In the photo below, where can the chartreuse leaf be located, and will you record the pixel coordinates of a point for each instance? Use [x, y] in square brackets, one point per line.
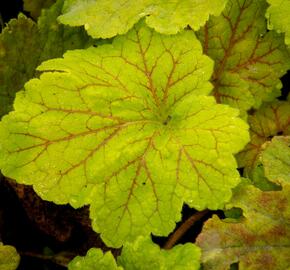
[248, 60]
[34, 7]
[104, 19]
[270, 120]
[261, 240]
[25, 44]
[143, 254]
[132, 120]
[9, 258]
[278, 17]
[276, 160]
[94, 260]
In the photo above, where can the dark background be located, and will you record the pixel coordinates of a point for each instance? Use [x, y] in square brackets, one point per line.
[10, 8]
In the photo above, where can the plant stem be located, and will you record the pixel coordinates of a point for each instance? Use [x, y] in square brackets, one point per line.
[185, 226]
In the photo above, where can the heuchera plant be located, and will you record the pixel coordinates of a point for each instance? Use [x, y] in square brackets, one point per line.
[160, 115]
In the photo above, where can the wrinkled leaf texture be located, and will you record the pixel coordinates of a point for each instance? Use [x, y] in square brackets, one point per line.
[105, 19]
[143, 254]
[259, 240]
[249, 60]
[270, 120]
[130, 126]
[9, 258]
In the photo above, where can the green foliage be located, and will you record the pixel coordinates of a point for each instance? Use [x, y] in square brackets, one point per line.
[23, 40]
[34, 7]
[131, 119]
[94, 260]
[145, 255]
[278, 17]
[248, 60]
[134, 126]
[105, 19]
[14, 69]
[9, 258]
[270, 120]
[261, 240]
[141, 255]
[276, 160]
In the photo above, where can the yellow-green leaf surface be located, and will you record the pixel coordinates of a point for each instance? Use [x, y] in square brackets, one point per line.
[95, 259]
[9, 258]
[34, 7]
[276, 160]
[248, 60]
[142, 254]
[105, 19]
[145, 255]
[25, 44]
[260, 240]
[131, 119]
[278, 17]
[270, 120]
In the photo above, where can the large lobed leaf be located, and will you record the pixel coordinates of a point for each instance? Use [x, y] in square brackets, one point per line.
[128, 125]
[104, 19]
[249, 60]
[25, 44]
[278, 17]
[260, 240]
[270, 120]
[141, 255]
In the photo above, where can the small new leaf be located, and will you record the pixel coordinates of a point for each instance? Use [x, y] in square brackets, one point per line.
[249, 61]
[131, 119]
[9, 258]
[260, 240]
[143, 254]
[278, 17]
[94, 260]
[105, 19]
